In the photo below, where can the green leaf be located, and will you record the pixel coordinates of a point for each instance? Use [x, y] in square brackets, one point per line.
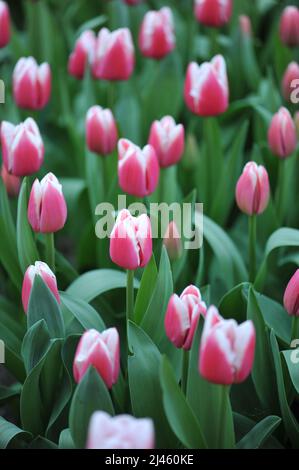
[36, 342]
[146, 289]
[260, 433]
[65, 440]
[92, 24]
[9, 431]
[86, 315]
[275, 317]
[42, 443]
[7, 393]
[292, 359]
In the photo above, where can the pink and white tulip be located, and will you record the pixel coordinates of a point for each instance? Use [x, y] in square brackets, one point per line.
[12, 183]
[82, 55]
[282, 136]
[172, 241]
[168, 140]
[4, 24]
[214, 13]
[31, 84]
[289, 26]
[253, 189]
[291, 295]
[290, 80]
[156, 36]
[245, 25]
[38, 269]
[101, 130]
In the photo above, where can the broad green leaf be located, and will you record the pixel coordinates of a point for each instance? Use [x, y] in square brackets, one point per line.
[9, 432]
[65, 440]
[86, 315]
[260, 433]
[42, 443]
[91, 24]
[7, 393]
[146, 289]
[36, 342]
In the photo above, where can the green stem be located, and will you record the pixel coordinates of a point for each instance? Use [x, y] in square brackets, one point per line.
[252, 243]
[222, 415]
[295, 328]
[112, 94]
[185, 369]
[280, 192]
[130, 295]
[50, 250]
[161, 187]
[214, 41]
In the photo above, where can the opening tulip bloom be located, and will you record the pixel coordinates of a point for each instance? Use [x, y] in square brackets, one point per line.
[182, 317]
[291, 295]
[206, 87]
[12, 183]
[289, 26]
[290, 80]
[138, 169]
[47, 209]
[31, 84]
[131, 241]
[4, 24]
[172, 241]
[168, 140]
[22, 147]
[38, 269]
[119, 432]
[282, 138]
[101, 131]
[226, 351]
[114, 57]
[82, 54]
[213, 12]
[100, 350]
[253, 189]
[156, 36]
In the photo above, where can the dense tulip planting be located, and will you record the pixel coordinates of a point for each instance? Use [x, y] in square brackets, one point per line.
[131, 315]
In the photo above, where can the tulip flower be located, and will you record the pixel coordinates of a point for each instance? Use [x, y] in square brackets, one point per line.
[82, 54]
[168, 140]
[22, 147]
[138, 169]
[132, 2]
[253, 189]
[282, 137]
[119, 432]
[4, 24]
[12, 183]
[100, 350]
[101, 131]
[206, 87]
[38, 269]
[214, 13]
[31, 84]
[290, 80]
[114, 56]
[291, 295]
[289, 26]
[226, 351]
[245, 25]
[172, 241]
[156, 36]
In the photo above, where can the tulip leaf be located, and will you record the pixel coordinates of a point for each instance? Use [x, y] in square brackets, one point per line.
[65, 440]
[259, 433]
[146, 289]
[9, 432]
[291, 357]
[36, 342]
[86, 315]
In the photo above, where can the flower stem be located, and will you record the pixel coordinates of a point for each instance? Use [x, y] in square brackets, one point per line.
[295, 328]
[252, 243]
[222, 415]
[279, 197]
[185, 369]
[130, 295]
[50, 250]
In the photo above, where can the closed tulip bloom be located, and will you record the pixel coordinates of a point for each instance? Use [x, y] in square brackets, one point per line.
[100, 350]
[290, 80]
[132, 2]
[291, 295]
[214, 13]
[114, 55]
[119, 432]
[245, 25]
[38, 269]
[82, 54]
[253, 189]
[101, 131]
[182, 317]
[12, 183]
[138, 169]
[4, 24]
[226, 351]
[131, 241]
[282, 137]
[289, 26]
[31, 84]
[22, 147]
[156, 36]
[47, 209]
[168, 140]
[172, 241]
[206, 87]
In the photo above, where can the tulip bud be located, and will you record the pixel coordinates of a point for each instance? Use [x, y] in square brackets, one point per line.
[289, 26]
[253, 189]
[282, 137]
[38, 269]
[132, 2]
[114, 55]
[214, 13]
[4, 24]
[168, 140]
[182, 317]
[47, 209]
[101, 131]
[206, 87]
[291, 295]
[156, 36]
[172, 241]
[119, 432]
[22, 147]
[12, 183]
[131, 241]
[245, 25]
[290, 80]
[82, 54]
[138, 169]
[100, 350]
[226, 351]
[31, 84]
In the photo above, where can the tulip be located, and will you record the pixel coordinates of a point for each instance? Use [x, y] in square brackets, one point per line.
[214, 13]
[291, 295]
[206, 87]
[289, 26]
[172, 241]
[138, 169]
[101, 131]
[253, 189]
[245, 25]
[38, 269]
[100, 350]
[290, 80]
[47, 209]
[132, 2]
[31, 84]
[4, 24]
[168, 140]
[22, 147]
[156, 36]
[82, 54]
[182, 317]
[226, 351]
[114, 57]
[12, 183]
[119, 432]
[282, 137]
